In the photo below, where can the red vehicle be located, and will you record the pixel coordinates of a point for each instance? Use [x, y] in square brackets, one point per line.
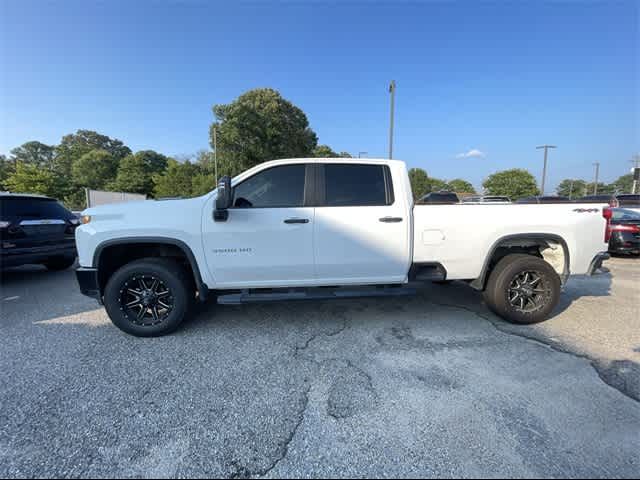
[623, 231]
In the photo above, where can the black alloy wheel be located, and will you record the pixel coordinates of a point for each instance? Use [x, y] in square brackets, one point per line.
[146, 300]
[529, 292]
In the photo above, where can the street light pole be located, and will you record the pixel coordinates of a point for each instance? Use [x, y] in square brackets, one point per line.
[571, 189]
[636, 165]
[595, 184]
[544, 168]
[392, 91]
[215, 151]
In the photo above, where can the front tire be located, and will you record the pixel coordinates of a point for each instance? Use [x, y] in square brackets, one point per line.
[523, 289]
[149, 297]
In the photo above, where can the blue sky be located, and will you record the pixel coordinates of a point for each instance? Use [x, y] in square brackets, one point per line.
[498, 77]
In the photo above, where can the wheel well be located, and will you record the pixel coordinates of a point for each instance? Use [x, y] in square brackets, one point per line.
[112, 257]
[551, 248]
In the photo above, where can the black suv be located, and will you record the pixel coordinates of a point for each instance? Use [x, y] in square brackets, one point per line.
[36, 229]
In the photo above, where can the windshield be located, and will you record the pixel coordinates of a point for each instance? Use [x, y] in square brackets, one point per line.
[623, 215]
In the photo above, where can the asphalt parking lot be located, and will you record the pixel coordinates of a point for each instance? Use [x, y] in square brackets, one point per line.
[432, 385]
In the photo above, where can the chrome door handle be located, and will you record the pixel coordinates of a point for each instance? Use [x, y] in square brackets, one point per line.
[296, 220]
[391, 219]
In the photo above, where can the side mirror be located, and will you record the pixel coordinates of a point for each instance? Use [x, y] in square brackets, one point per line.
[223, 200]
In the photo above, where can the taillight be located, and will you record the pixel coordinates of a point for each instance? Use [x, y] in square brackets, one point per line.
[625, 228]
[607, 213]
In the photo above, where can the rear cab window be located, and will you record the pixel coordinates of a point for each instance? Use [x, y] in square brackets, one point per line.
[357, 185]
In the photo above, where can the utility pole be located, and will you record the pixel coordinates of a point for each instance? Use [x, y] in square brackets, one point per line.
[595, 184]
[544, 169]
[215, 151]
[636, 165]
[392, 91]
[571, 189]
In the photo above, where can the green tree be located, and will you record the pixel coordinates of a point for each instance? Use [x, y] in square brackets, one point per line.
[574, 188]
[624, 184]
[34, 153]
[603, 188]
[75, 145]
[135, 172]
[419, 182]
[95, 169]
[6, 168]
[176, 180]
[202, 183]
[437, 185]
[515, 183]
[323, 151]
[460, 186]
[260, 125]
[28, 178]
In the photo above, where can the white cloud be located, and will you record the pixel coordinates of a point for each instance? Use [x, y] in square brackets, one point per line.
[473, 153]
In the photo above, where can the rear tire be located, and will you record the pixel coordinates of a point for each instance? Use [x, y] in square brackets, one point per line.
[59, 263]
[523, 289]
[149, 297]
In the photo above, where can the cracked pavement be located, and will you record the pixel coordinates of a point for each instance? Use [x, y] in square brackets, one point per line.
[432, 385]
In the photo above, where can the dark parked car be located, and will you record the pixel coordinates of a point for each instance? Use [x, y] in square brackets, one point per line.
[482, 199]
[622, 200]
[36, 229]
[628, 200]
[544, 199]
[440, 197]
[623, 231]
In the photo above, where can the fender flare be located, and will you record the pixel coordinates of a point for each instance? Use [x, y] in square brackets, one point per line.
[480, 282]
[202, 287]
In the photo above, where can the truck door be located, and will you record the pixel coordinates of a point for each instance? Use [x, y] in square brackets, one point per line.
[361, 230]
[267, 240]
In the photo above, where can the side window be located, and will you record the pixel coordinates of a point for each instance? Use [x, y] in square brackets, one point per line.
[357, 185]
[277, 187]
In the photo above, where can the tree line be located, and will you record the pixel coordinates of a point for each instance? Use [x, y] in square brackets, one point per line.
[515, 183]
[259, 125]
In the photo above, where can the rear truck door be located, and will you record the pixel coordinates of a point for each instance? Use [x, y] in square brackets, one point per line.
[267, 239]
[362, 224]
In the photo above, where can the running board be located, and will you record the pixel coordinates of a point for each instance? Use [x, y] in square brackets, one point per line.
[318, 293]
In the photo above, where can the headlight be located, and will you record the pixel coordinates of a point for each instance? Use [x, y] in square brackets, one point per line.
[85, 219]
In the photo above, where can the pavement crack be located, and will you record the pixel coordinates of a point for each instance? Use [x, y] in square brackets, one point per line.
[603, 372]
[284, 448]
[341, 328]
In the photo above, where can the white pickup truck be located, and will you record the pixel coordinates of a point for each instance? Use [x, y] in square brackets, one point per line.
[327, 228]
